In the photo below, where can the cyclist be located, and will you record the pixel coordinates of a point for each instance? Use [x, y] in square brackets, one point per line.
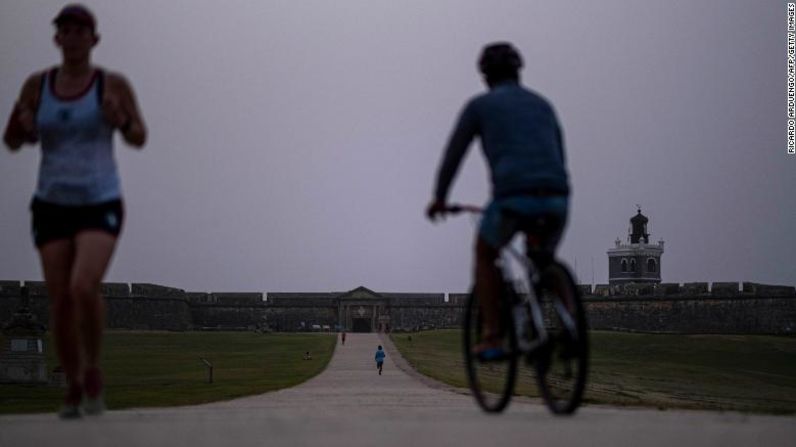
[77, 211]
[522, 141]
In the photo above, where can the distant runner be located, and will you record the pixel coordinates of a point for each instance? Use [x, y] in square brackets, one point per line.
[380, 358]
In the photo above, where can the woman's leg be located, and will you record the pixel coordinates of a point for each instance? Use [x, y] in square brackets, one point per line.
[57, 258]
[93, 252]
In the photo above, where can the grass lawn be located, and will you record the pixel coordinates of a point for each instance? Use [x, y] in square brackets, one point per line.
[715, 372]
[153, 369]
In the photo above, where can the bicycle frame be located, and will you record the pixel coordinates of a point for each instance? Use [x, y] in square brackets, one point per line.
[529, 298]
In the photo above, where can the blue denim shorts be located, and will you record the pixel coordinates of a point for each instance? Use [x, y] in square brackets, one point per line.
[503, 218]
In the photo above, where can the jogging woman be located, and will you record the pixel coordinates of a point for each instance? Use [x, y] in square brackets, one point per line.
[74, 109]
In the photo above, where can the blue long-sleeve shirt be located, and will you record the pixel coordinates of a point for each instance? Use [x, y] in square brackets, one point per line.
[521, 139]
[380, 355]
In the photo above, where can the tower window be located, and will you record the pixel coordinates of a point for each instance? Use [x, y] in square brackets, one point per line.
[632, 265]
[624, 265]
[652, 266]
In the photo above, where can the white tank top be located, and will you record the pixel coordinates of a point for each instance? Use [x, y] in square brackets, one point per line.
[77, 164]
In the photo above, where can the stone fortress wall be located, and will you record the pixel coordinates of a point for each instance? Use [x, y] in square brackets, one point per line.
[731, 308]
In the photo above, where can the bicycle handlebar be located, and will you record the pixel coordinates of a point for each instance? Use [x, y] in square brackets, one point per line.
[457, 208]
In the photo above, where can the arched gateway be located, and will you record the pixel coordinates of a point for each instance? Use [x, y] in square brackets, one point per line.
[363, 310]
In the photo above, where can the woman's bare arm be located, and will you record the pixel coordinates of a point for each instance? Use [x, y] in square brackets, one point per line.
[122, 110]
[21, 125]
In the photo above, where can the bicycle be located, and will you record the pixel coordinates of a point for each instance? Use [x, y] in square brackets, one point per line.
[542, 321]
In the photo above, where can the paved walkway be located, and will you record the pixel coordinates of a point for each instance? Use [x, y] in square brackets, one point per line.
[350, 405]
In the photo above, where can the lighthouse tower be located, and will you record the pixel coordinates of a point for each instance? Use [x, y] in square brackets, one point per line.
[636, 261]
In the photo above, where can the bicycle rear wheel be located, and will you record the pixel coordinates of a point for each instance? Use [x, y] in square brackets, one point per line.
[562, 364]
[491, 381]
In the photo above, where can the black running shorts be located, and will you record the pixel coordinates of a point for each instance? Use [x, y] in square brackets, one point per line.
[53, 222]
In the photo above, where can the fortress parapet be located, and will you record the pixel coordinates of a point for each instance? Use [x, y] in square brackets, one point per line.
[694, 307]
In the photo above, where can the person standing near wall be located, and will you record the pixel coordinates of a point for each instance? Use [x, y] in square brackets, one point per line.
[74, 109]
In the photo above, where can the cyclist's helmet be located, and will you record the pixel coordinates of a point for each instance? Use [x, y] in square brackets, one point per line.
[500, 57]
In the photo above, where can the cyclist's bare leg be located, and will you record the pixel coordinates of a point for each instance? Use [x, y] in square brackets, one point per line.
[57, 258]
[487, 288]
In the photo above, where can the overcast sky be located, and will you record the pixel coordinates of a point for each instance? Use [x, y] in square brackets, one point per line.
[293, 144]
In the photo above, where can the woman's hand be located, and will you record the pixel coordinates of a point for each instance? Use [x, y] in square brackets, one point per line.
[21, 127]
[27, 122]
[113, 112]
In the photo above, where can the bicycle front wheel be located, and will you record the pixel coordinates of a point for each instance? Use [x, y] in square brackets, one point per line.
[562, 365]
[491, 381]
